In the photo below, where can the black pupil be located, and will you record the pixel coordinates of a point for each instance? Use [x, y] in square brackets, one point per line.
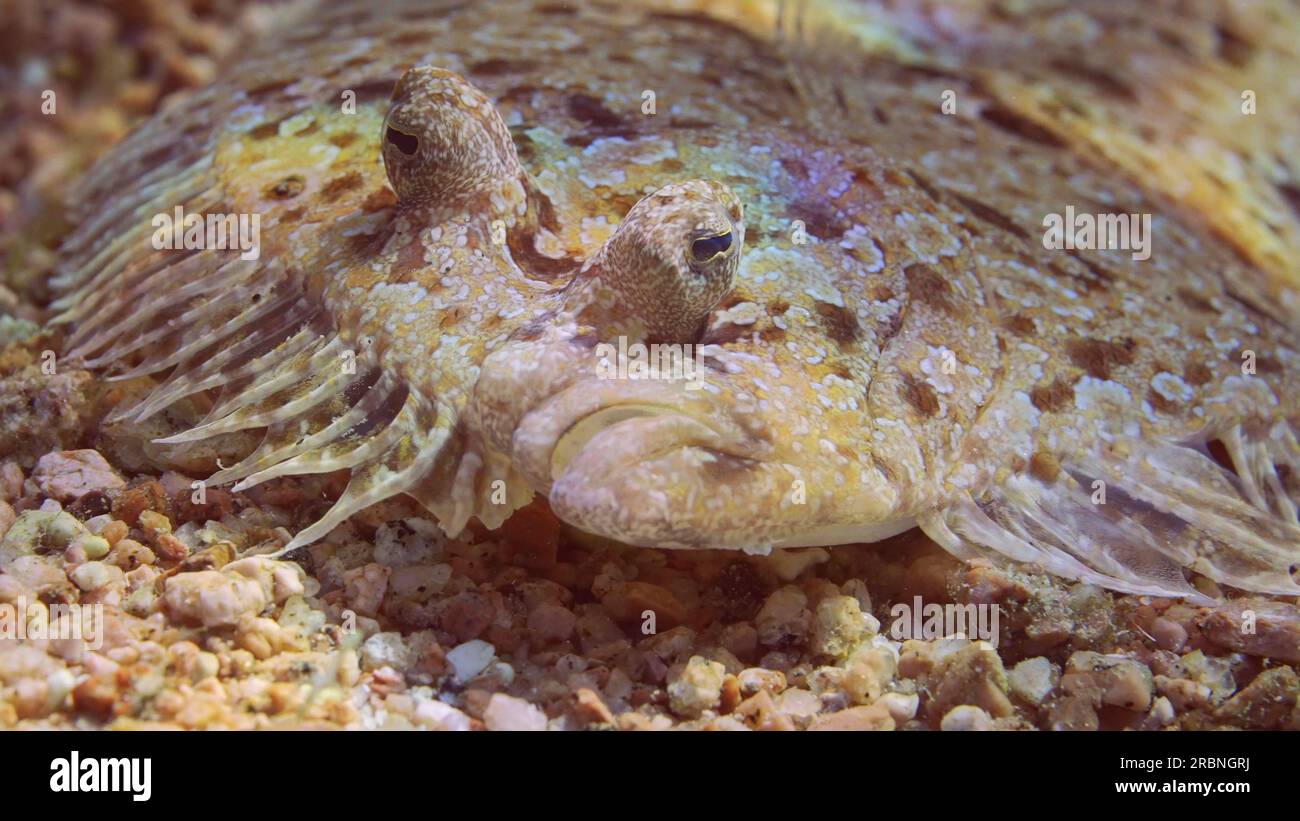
[707, 248]
[405, 143]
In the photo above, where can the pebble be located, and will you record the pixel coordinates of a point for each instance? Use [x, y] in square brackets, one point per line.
[839, 626]
[901, 706]
[1269, 702]
[385, 649]
[436, 715]
[469, 659]
[67, 475]
[696, 687]
[1123, 682]
[1033, 679]
[968, 675]
[754, 679]
[868, 673]
[784, 618]
[505, 712]
[552, 622]
[7, 517]
[96, 576]
[966, 718]
[365, 587]
[213, 598]
[869, 717]
[1257, 627]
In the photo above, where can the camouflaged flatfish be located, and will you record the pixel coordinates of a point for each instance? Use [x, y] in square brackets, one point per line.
[466, 207]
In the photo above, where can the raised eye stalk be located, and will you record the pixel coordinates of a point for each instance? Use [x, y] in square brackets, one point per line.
[674, 257]
[443, 140]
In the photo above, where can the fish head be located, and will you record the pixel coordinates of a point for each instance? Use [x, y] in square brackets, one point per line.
[772, 399]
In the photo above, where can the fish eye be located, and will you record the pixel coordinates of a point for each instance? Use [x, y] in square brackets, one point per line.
[408, 144]
[706, 248]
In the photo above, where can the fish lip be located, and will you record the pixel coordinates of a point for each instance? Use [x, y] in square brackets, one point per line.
[629, 463]
[548, 439]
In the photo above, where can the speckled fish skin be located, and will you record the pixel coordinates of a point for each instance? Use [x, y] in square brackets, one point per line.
[920, 359]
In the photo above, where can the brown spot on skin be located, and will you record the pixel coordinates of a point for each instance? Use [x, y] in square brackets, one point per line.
[839, 322]
[820, 220]
[378, 89]
[771, 335]
[1161, 404]
[451, 316]
[265, 131]
[1267, 364]
[926, 285]
[343, 140]
[919, 395]
[287, 188]
[1097, 357]
[725, 334]
[1045, 467]
[887, 329]
[348, 182]
[1054, 397]
[1020, 325]
[1014, 123]
[378, 200]
[990, 215]
[271, 88]
[592, 111]
[880, 293]
[1097, 77]
[1195, 301]
[293, 215]
[707, 26]
[777, 307]
[496, 66]
[1197, 373]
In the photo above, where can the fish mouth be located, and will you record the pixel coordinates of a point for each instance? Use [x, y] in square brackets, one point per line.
[645, 466]
[640, 468]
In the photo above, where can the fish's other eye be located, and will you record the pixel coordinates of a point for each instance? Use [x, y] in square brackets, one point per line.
[408, 144]
[707, 248]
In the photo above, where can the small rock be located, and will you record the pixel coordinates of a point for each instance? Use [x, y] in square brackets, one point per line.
[971, 675]
[365, 587]
[213, 598]
[966, 718]
[868, 673]
[1033, 679]
[1258, 627]
[902, 706]
[696, 687]
[870, 717]
[552, 622]
[1123, 682]
[753, 679]
[385, 650]
[96, 576]
[839, 626]
[784, 618]
[1266, 703]
[505, 712]
[66, 475]
[469, 659]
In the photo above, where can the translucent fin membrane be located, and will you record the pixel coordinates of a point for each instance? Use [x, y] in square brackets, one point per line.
[411, 455]
[257, 353]
[286, 440]
[1133, 518]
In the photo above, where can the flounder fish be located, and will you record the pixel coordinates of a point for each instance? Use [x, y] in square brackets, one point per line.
[484, 225]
